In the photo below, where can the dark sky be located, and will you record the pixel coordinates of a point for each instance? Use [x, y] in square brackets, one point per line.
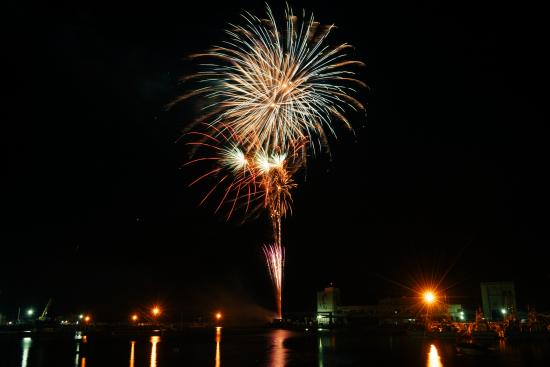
[447, 172]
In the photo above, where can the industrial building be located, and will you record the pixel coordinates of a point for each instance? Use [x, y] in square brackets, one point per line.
[498, 300]
[394, 311]
[328, 304]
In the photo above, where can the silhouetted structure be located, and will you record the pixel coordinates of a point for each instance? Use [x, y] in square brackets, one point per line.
[498, 300]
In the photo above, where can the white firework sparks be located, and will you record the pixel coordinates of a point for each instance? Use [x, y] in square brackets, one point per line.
[272, 87]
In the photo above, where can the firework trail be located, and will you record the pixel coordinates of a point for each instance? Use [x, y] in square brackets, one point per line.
[272, 93]
[275, 259]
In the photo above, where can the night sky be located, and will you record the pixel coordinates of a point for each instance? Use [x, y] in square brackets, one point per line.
[446, 174]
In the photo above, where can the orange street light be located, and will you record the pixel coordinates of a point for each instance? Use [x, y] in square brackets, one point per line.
[87, 318]
[134, 317]
[155, 311]
[429, 297]
[218, 316]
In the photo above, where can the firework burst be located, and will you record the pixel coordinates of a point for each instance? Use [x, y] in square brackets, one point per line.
[253, 180]
[272, 85]
[272, 93]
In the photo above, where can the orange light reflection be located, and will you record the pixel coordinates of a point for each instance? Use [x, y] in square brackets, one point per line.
[218, 340]
[433, 357]
[132, 350]
[278, 351]
[154, 341]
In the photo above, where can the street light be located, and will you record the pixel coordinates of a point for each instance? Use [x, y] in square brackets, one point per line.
[218, 316]
[134, 317]
[30, 312]
[155, 311]
[429, 297]
[87, 318]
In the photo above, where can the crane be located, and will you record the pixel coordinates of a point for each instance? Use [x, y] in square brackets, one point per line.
[45, 312]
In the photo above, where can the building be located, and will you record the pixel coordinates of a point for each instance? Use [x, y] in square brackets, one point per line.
[388, 311]
[498, 300]
[328, 302]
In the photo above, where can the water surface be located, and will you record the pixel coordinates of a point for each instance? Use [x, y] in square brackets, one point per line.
[276, 348]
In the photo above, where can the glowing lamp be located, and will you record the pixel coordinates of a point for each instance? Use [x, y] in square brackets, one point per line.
[429, 297]
[155, 311]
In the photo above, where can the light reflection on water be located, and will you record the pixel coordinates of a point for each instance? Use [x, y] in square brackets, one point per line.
[433, 357]
[26, 347]
[154, 340]
[325, 342]
[278, 356]
[321, 357]
[79, 361]
[218, 340]
[132, 350]
[77, 356]
[275, 348]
